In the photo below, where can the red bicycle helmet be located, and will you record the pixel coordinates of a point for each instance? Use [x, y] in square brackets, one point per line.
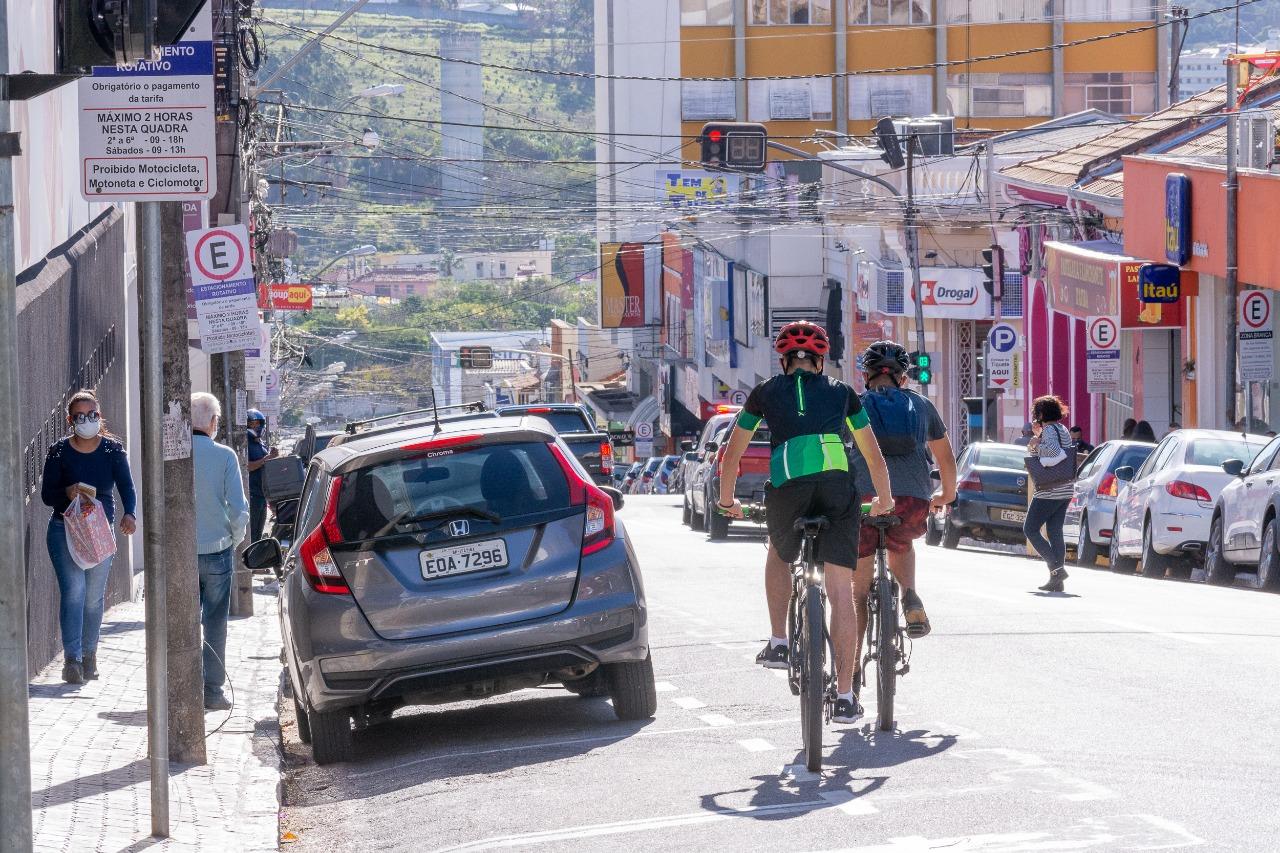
[802, 336]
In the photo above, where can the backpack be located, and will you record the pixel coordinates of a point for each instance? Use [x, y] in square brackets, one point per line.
[895, 420]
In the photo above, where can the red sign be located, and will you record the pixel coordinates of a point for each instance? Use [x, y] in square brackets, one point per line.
[1086, 283]
[1136, 314]
[285, 297]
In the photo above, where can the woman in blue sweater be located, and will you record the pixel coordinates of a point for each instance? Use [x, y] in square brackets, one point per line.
[95, 459]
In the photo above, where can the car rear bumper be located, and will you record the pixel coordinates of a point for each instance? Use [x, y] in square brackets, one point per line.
[339, 662]
[1180, 532]
[976, 516]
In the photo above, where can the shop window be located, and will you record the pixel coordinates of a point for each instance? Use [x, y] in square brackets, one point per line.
[1109, 10]
[1001, 94]
[776, 12]
[1115, 92]
[904, 12]
[996, 11]
[706, 13]
[897, 95]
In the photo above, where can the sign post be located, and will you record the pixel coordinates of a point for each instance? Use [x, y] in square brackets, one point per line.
[1103, 354]
[1002, 341]
[225, 294]
[1254, 328]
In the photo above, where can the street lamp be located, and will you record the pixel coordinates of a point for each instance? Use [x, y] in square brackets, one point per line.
[357, 252]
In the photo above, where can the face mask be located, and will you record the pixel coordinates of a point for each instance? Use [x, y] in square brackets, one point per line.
[88, 429]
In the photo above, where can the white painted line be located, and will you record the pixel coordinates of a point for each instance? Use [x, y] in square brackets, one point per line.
[689, 703]
[846, 802]
[755, 744]
[716, 720]
[1146, 629]
[665, 687]
[799, 773]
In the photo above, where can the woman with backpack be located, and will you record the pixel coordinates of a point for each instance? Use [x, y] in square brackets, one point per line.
[1052, 468]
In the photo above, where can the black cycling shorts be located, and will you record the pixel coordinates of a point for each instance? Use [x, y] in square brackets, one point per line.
[830, 494]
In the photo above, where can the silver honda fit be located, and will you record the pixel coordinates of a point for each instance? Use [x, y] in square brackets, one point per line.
[455, 562]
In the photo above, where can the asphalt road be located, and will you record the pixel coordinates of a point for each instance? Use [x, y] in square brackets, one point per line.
[1128, 714]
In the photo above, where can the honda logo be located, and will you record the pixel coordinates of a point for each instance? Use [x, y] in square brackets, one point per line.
[461, 527]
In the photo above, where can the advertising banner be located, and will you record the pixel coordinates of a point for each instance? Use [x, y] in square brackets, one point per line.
[950, 293]
[286, 297]
[716, 306]
[1085, 282]
[622, 285]
[686, 188]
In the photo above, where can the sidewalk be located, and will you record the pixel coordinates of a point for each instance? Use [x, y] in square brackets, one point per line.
[90, 788]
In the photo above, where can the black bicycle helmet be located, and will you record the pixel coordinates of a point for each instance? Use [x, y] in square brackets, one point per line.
[884, 357]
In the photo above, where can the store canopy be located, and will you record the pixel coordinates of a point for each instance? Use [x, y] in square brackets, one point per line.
[645, 412]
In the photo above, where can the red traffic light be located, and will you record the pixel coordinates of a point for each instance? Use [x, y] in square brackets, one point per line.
[715, 135]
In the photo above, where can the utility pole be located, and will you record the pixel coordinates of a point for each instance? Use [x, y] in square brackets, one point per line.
[15, 738]
[1177, 38]
[1233, 282]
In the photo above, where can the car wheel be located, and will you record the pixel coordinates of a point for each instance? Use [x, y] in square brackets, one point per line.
[304, 724]
[1216, 568]
[950, 535]
[717, 525]
[932, 535]
[1119, 562]
[1086, 550]
[1268, 561]
[331, 738]
[1154, 564]
[686, 517]
[632, 690]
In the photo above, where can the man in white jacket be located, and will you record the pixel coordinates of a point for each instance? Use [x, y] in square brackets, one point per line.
[222, 516]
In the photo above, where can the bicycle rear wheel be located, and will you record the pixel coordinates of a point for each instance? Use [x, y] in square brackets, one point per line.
[886, 653]
[813, 676]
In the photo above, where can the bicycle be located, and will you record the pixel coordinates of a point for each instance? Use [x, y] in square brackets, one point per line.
[812, 659]
[884, 635]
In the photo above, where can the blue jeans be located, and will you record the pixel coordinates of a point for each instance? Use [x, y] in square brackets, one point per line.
[1049, 514]
[215, 606]
[82, 593]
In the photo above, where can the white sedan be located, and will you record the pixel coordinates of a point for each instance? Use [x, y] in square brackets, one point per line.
[1164, 508]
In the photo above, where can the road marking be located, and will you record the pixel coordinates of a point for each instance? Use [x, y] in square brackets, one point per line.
[718, 720]
[846, 802]
[1146, 629]
[689, 703]
[756, 744]
[799, 773]
[664, 687]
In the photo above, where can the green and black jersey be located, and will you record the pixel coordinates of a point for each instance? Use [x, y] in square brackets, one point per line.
[809, 417]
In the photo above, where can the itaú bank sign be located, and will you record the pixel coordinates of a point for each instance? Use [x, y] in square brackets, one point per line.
[949, 293]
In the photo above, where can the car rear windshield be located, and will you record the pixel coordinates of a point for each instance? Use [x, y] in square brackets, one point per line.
[507, 480]
[1215, 451]
[670, 463]
[561, 420]
[1002, 457]
[652, 464]
[1131, 456]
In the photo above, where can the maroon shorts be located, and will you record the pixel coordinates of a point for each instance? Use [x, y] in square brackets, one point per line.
[914, 512]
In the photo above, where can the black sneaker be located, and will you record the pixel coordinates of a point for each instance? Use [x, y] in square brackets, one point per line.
[913, 613]
[847, 711]
[773, 657]
[217, 703]
[90, 667]
[1056, 577]
[73, 672]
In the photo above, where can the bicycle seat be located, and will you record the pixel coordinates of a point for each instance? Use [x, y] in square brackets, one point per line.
[881, 522]
[811, 524]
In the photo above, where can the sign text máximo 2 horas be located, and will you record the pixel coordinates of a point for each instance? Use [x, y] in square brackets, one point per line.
[147, 130]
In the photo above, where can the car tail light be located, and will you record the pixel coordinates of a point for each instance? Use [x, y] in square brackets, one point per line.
[1187, 491]
[971, 483]
[1108, 487]
[597, 531]
[539, 410]
[317, 561]
[441, 443]
[606, 458]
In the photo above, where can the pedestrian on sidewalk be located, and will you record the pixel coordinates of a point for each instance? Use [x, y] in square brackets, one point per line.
[222, 516]
[1051, 445]
[259, 455]
[92, 462]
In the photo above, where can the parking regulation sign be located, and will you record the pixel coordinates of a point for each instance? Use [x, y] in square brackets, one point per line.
[147, 129]
[225, 293]
[1002, 341]
[1102, 352]
[1254, 325]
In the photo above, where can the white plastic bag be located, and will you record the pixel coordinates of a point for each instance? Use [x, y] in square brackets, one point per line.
[90, 538]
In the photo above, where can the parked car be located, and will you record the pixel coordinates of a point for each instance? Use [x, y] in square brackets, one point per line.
[576, 425]
[1165, 506]
[694, 461]
[991, 497]
[453, 562]
[643, 485]
[1244, 533]
[666, 470]
[1092, 511]
[753, 474]
[630, 477]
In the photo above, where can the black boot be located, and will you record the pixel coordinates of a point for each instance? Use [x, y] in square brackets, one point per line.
[1056, 577]
[72, 672]
[90, 667]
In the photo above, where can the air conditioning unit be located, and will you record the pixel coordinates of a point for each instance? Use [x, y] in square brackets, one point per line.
[1255, 139]
[935, 135]
[946, 138]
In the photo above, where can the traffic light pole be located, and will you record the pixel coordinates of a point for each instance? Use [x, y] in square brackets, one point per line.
[913, 242]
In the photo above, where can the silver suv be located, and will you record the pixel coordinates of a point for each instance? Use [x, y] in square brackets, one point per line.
[453, 562]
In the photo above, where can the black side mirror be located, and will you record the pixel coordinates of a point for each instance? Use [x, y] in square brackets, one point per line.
[711, 446]
[1234, 467]
[615, 495]
[1124, 473]
[686, 446]
[935, 474]
[263, 554]
[690, 457]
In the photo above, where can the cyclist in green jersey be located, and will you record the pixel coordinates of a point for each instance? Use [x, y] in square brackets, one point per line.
[809, 417]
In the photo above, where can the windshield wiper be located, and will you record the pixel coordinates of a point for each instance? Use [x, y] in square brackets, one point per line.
[439, 515]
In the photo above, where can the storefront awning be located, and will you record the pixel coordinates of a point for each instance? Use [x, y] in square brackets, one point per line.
[1096, 278]
[645, 412]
